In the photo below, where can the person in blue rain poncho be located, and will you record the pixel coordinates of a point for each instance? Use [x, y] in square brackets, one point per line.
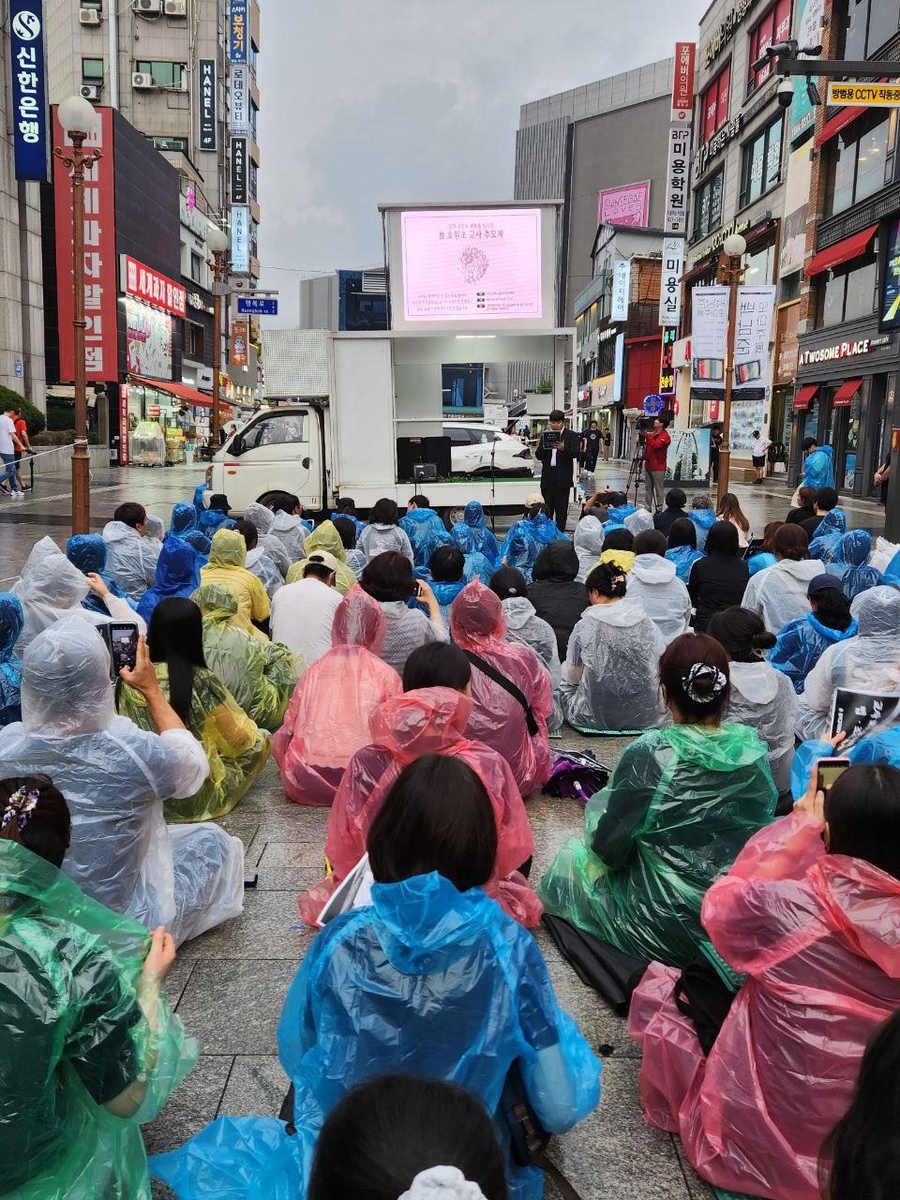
[849, 558]
[704, 517]
[446, 573]
[766, 557]
[177, 574]
[88, 552]
[527, 538]
[425, 530]
[477, 564]
[818, 466]
[12, 620]
[347, 508]
[618, 510]
[803, 641]
[185, 524]
[473, 518]
[212, 510]
[682, 551]
[429, 978]
[828, 533]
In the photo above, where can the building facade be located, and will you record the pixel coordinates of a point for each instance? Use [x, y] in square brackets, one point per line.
[345, 301]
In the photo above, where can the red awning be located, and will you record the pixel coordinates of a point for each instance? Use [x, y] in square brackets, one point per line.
[181, 390]
[832, 128]
[805, 396]
[841, 252]
[845, 393]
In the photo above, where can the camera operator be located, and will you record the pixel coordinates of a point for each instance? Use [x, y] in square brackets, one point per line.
[655, 443]
[558, 453]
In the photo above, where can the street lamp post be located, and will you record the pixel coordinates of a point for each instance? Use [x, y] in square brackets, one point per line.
[77, 117]
[217, 240]
[731, 272]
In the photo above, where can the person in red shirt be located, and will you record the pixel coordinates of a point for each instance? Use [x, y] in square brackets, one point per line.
[656, 447]
[22, 435]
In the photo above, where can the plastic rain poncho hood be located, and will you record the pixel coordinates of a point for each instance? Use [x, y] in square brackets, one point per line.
[88, 552]
[474, 519]
[260, 565]
[177, 574]
[228, 566]
[818, 468]
[526, 539]
[407, 727]
[74, 1038]
[425, 531]
[704, 519]
[131, 559]
[477, 564]
[260, 675]
[525, 626]
[325, 538]
[849, 559]
[828, 533]
[263, 519]
[429, 981]
[819, 936]
[610, 677]
[778, 594]
[802, 643]
[764, 699]
[653, 582]
[12, 620]
[48, 588]
[684, 558]
[291, 531]
[640, 521]
[186, 526]
[681, 803]
[588, 543]
[616, 517]
[478, 626]
[115, 778]
[329, 713]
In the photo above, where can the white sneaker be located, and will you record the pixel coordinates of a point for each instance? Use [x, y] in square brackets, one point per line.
[18, 495]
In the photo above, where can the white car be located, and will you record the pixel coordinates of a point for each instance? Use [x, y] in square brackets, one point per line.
[481, 450]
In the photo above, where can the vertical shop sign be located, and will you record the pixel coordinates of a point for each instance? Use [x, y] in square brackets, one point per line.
[239, 170]
[683, 83]
[240, 239]
[620, 289]
[208, 117]
[30, 125]
[239, 116]
[666, 363]
[670, 283]
[677, 177]
[238, 41]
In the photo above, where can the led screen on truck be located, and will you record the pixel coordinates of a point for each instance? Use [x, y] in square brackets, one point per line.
[472, 264]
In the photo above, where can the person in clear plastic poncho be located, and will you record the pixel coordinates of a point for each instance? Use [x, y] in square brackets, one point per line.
[426, 531]
[88, 552]
[679, 806]
[427, 720]
[328, 717]
[431, 979]
[90, 1049]
[260, 675]
[526, 538]
[525, 626]
[609, 678]
[498, 719]
[869, 662]
[588, 542]
[779, 593]
[849, 558]
[12, 619]
[185, 525]
[485, 542]
[115, 777]
[327, 538]
[263, 519]
[177, 574]
[810, 913]
[235, 746]
[227, 566]
[131, 556]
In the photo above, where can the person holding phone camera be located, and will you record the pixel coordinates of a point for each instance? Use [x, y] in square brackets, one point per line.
[558, 453]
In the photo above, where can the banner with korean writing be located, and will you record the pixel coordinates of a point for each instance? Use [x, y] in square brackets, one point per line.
[677, 177]
[30, 125]
[101, 339]
[208, 106]
[620, 290]
[670, 282]
[683, 82]
[239, 114]
[667, 363]
[752, 335]
[142, 282]
[238, 31]
[239, 190]
[240, 334]
[709, 338]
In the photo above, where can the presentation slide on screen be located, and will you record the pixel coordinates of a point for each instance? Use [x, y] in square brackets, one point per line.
[472, 264]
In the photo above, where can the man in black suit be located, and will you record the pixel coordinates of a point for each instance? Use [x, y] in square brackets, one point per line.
[558, 457]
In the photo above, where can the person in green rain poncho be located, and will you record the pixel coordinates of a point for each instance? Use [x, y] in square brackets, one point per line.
[260, 675]
[679, 807]
[90, 1049]
[236, 747]
[325, 537]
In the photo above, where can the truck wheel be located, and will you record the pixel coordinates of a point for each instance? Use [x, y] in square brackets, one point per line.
[267, 498]
[453, 516]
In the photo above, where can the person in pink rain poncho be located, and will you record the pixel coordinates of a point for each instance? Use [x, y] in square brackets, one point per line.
[499, 718]
[327, 720]
[429, 720]
[810, 912]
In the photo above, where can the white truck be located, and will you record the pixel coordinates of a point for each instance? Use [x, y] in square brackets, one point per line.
[346, 410]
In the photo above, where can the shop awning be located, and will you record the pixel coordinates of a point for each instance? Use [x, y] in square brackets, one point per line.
[805, 397]
[180, 390]
[832, 128]
[841, 252]
[845, 393]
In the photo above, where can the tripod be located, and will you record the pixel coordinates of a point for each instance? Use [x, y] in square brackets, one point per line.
[636, 472]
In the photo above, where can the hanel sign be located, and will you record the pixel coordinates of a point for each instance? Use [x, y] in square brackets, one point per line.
[144, 283]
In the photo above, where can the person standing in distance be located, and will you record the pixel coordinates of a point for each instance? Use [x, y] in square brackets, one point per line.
[590, 447]
[656, 448]
[758, 449]
[558, 457]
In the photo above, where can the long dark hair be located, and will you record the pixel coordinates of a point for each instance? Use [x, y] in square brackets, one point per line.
[175, 637]
[862, 810]
[832, 608]
[742, 633]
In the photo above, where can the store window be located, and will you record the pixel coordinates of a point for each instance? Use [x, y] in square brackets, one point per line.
[92, 70]
[761, 161]
[254, 117]
[870, 23]
[196, 267]
[163, 74]
[860, 161]
[708, 204]
[254, 180]
[848, 293]
[175, 145]
[193, 340]
[759, 266]
[774, 27]
[714, 103]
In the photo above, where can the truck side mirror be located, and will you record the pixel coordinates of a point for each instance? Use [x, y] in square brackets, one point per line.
[237, 445]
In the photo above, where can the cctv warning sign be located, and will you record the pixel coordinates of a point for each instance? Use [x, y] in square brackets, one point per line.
[871, 95]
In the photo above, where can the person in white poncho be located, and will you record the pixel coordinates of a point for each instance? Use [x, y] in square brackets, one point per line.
[778, 593]
[653, 581]
[525, 626]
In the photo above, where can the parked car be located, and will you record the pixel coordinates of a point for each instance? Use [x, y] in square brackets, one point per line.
[477, 449]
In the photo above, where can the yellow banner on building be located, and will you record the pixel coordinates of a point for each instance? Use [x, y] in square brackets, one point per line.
[871, 95]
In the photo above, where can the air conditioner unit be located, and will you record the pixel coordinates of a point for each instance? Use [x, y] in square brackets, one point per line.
[176, 8]
[89, 16]
[90, 91]
[148, 7]
[140, 81]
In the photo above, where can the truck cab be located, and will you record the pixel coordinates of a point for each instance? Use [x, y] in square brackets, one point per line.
[278, 450]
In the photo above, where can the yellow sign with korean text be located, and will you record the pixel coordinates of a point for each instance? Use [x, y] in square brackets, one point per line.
[871, 95]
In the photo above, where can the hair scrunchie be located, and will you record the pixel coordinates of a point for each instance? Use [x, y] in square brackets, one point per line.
[442, 1183]
[20, 806]
[702, 671]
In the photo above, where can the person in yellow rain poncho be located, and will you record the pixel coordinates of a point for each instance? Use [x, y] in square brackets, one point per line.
[236, 747]
[90, 1049]
[260, 675]
[326, 537]
[228, 566]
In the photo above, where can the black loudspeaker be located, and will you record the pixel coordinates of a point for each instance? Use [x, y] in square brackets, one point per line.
[419, 451]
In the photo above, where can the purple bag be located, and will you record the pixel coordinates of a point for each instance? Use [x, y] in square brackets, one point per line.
[576, 775]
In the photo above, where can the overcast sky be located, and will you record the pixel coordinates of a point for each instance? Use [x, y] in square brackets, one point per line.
[357, 108]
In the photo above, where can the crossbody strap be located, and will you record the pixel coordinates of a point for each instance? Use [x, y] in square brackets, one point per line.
[508, 686]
